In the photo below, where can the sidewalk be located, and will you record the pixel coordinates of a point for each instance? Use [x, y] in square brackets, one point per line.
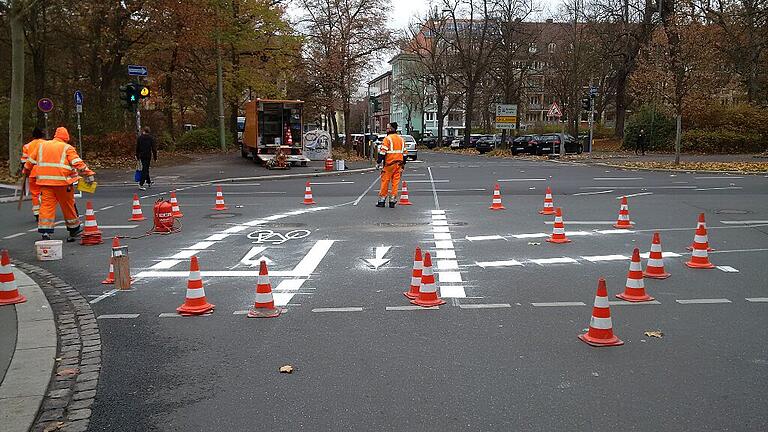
[27, 353]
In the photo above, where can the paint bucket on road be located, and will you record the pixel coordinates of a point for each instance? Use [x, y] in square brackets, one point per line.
[48, 250]
[340, 165]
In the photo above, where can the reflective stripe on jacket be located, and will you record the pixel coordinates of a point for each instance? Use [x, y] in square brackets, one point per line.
[56, 163]
[393, 149]
[25, 154]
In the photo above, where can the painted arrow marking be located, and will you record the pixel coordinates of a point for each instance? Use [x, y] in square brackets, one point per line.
[249, 260]
[379, 260]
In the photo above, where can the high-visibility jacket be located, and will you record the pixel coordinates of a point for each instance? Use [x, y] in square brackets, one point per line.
[56, 162]
[25, 154]
[393, 149]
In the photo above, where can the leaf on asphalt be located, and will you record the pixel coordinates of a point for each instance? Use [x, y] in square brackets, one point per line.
[654, 333]
[286, 369]
[68, 372]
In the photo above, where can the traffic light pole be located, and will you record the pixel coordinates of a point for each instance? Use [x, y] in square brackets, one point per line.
[138, 108]
[591, 123]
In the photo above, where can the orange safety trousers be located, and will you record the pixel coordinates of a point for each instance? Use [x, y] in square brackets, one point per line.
[390, 175]
[34, 190]
[65, 197]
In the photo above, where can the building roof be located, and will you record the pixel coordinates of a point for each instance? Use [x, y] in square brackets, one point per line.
[380, 77]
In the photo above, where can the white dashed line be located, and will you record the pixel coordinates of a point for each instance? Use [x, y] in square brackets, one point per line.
[106, 208]
[616, 178]
[109, 293]
[593, 193]
[485, 305]
[626, 303]
[720, 188]
[727, 269]
[482, 238]
[13, 236]
[598, 258]
[165, 264]
[506, 263]
[634, 195]
[452, 291]
[557, 304]
[757, 299]
[520, 180]
[704, 301]
[338, 309]
[118, 316]
[185, 254]
[410, 308]
[560, 260]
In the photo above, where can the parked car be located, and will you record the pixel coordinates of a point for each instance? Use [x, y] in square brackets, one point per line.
[458, 141]
[487, 143]
[410, 145]
[429, 141]
[524, 144]
[550, 143]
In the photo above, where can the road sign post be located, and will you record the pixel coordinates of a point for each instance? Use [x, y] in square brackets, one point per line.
[506, 116]
[555, 112]
[79, 110]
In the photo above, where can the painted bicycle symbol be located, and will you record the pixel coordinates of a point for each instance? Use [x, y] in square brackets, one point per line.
[276, 238]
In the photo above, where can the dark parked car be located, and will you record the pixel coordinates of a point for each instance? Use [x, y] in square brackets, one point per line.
[487, 143]
[429, 141]
[550, 143]
[524, 144]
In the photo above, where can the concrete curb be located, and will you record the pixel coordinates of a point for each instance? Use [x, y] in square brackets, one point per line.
[26, 382]
[292, 176]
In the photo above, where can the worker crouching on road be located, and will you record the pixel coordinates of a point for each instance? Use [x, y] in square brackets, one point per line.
[56, 165]
[391, 162]
[34, 189]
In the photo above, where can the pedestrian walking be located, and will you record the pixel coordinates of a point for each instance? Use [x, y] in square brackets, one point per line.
[146, 150]
[58, 167]
[640, 142]
[34, 189]
[391, 161]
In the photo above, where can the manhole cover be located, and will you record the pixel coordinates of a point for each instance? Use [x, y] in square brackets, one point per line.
[731, 211]
[222, 215]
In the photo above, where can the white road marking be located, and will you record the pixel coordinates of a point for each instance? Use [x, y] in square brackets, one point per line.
[568, 222]
[615, 231]
[434, 191]
[527, 236]
[217, 237]
[170, 315]
[521, 179]
[118, 316]
[757, 299]
[720, 188]
[185, 254]
[556, 304]
[597, 258]
[249, 260]
[626, 303]
[414, 175]
[202, 245]
[634, 195]
[727, 269]
[378, 259]
[640, 187]
[560, 260]
[282, 299]
[109, 293]
[410, 308]
[310, 262]
[429, 181]
[290, 285]
[165, 264]
[440, 229]
[445, 254]
[338, 309]
[449, 277]
[438, 212]
[447, 265]
[593, 193]
[13, 236]
[704, 301]
[450, 190]
[439, 223]
[646, 255]
[484, 305]
[439, 217]
[506, 263]
[235, 229]
[616, 178]
[452, 291]
[746, 222]
[444, 244]
[442, 236]
[357, 201]
[483, 238]
[718, 177]
[106, 208]
[738, 250]
[332, 183]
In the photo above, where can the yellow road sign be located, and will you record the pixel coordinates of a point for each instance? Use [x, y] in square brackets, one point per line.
[506, 119]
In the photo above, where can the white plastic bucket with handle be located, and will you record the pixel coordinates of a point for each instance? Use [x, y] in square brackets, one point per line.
[48, 250]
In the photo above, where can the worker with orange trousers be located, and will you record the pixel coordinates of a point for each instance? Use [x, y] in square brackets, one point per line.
[391, 162]
[34, 189]
[57, 165]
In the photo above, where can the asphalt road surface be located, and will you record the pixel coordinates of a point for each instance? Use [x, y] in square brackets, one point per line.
[502, 353]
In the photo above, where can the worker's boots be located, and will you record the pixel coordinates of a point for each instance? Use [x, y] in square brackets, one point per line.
[392, 201]
[46, 236]
[74, 233]
[381, 203]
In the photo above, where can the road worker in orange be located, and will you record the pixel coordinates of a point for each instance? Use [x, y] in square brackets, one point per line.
[34, 189]
[57, 165]
[391, 162]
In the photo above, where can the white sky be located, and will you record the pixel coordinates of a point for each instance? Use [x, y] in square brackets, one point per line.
[404, 10]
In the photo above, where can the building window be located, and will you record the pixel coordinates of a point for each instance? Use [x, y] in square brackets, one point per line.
[430, 116]
[552, 47]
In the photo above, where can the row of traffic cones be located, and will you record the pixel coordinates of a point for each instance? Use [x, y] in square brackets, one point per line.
[423, 290]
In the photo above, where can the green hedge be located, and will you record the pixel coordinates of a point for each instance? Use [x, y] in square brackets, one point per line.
[659, 129]
[723, 141]
[201, 139]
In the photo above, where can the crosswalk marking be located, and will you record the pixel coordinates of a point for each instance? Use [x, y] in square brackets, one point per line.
[560, 260]
[506, 263]
[452, 291]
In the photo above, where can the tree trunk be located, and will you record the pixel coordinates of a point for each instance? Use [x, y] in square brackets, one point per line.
[440, 120]
[621, 105]
[16, 106]
[678, 136]
[347, 130]
[469, 105]
[334, 128]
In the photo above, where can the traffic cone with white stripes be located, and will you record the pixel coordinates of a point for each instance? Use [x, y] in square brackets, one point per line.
[428, 296]
[219, 200]
[549, 206]
[496, 203]
[623, 221]
[700, 254]
[110, 280]
[600, 331]
[404, 199]
[136, 214]
[654, 269]
[308, 199]
[558, 229]
[91, 233]
[264, 306]
[195, 302]
[9, 292]
[418, 266]
[634, 290]
[175, 206]
[703, 223]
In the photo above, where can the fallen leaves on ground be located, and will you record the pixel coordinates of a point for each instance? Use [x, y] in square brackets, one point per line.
[5, 175]
[466, 151]
[348, 156]
[654, 333]
[286, 369]
[702, 166]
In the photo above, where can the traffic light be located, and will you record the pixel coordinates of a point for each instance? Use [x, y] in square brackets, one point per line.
[586, 104]
[129, 96]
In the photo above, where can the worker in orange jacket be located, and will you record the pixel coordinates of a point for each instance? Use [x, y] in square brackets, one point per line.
[391, 162]
[34, 189]
[57, 165]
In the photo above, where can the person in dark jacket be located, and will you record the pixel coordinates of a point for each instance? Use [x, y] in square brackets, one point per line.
[146, 150]
[640, 143]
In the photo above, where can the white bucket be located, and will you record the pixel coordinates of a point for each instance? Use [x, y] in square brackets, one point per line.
[48, 250]
[340, 165]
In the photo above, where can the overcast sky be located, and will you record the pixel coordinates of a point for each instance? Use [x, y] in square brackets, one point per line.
[404, 10]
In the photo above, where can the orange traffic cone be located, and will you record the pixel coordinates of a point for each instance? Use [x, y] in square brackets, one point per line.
[136, 214]
[623, 222]
[634, 290]
[91, 234]
[703, 223]
[418, 266]
[428, 296]
[558, 229]
[111, 275]
[175, 206]
[264, 306]
[496, 203]
[404, 200]
[219, 200]
[549, 207]
[195, 302]
[9, 293]
[308, 200]
[600, 326]
[700, 254]
[654, 269]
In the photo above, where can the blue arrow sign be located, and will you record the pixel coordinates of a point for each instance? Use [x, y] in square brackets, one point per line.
[136, 70]
[78, 97]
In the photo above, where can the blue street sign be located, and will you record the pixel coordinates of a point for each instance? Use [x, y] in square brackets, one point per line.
[136, 70]
[78, 97]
